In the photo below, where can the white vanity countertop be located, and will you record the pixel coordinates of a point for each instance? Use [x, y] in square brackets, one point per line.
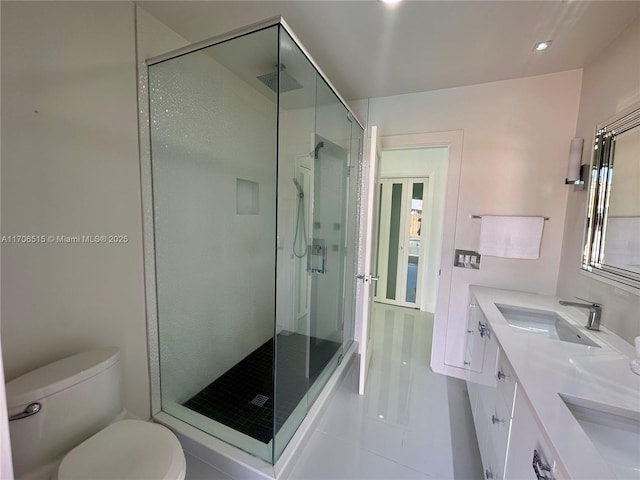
[546, 368]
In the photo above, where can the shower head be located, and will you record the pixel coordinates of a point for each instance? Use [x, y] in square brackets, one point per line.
[298, 187]
[314, 152]
[287, 82]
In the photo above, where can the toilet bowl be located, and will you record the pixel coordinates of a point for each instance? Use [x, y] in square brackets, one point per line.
[67, 422]
[127, 449]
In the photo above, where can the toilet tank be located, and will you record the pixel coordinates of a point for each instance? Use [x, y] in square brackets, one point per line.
[78, 396]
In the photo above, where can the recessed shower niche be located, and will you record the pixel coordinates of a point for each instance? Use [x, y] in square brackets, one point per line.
[254, 175]
[246, 197]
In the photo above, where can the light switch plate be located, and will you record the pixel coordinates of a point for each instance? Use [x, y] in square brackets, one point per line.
[466, 259]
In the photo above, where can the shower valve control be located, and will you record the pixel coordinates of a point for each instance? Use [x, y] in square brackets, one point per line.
[317, 260]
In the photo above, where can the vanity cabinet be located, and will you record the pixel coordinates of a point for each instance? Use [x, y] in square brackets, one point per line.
[508, 436]
[525, 419]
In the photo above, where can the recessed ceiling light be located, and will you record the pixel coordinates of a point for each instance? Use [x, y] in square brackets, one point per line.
[390, 2]
[538, 47]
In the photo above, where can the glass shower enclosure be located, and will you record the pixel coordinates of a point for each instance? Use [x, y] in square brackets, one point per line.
[255, 172]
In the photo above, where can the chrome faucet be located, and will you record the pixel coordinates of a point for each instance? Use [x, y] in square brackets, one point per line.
[595, 312]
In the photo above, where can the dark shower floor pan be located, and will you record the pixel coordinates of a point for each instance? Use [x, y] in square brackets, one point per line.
[242, 397]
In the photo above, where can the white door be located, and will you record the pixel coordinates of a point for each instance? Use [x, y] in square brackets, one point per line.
[368, 276]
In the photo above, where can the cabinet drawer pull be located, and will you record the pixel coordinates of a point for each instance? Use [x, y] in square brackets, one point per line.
[496, 421]
[473, 305]
[502, 375]
[539, 468]
[467, 363]
[488, 474]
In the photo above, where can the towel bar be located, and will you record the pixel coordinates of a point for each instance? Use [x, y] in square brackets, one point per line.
[480, 216]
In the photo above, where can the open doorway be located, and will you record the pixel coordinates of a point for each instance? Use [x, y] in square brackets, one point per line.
[411, 216]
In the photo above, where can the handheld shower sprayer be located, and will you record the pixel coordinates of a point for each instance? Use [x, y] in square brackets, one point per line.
[300, 222]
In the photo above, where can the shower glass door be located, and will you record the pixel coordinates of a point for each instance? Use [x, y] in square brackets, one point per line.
[296, 192]
[328, 243]
[254, 173]
[316, 244]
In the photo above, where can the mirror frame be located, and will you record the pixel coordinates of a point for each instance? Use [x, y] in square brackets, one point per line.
[601, 174]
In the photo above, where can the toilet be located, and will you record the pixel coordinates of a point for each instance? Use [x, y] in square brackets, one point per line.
[67, 422]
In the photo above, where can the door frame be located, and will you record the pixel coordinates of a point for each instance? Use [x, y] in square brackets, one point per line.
[453, 140]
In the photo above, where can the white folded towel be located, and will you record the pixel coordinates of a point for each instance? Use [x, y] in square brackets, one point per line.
[511, 237]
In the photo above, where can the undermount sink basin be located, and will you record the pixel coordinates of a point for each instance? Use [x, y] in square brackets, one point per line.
[599, 367]
[614, 432]
[544, 323]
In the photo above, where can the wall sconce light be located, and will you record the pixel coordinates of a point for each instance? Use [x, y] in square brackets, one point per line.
[576, 172]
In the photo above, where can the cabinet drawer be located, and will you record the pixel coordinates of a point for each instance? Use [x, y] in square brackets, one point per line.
[506, 382]
[498, 420]
[491, 468]
[482, 426]
[491, 473]
[529, 446]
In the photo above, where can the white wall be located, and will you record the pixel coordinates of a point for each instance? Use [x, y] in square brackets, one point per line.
[610, 84]
[423, 162]
[70, 167]
[516, 142]
[6, 463]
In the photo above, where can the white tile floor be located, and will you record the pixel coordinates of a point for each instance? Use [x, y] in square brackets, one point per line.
[408, 424]
[199, 470]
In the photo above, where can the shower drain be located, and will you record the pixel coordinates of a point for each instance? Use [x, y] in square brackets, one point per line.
[259, 400]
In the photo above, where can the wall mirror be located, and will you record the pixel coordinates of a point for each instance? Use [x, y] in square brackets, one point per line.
[612, 229]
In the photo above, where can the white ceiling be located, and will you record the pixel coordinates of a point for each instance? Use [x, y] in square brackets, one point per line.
[368, 49]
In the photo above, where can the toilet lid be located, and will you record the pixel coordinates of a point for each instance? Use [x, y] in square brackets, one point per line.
[128, 449]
